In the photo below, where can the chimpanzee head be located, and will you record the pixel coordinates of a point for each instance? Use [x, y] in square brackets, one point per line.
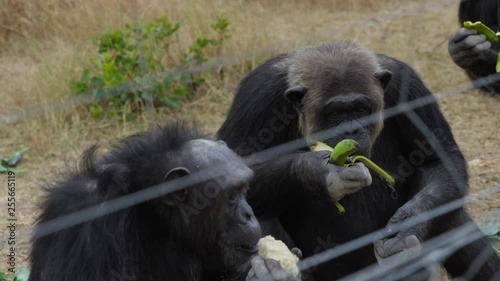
[210, 220]
[206, 229]
[214, 216]
[337, 85]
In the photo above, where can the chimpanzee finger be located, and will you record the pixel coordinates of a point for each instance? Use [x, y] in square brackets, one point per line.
[474, 40]
[276, 270]
[259, 266]
[389, 247]
[405, 247]
[461, 34]
[469, 54]
[297, 252]
[356, 172]
[468, 43]
[481, 48]
[250, 275]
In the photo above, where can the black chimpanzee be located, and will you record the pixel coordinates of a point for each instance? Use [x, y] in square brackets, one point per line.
[203, 232]
[471, 51]
[343, 85]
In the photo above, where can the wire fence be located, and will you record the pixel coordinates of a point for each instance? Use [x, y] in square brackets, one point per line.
[434, 251]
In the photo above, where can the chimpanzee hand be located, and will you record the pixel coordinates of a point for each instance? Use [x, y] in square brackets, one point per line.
[315, 170]
[467, 48]
[270, 269]
[407, 241]
[342, 181]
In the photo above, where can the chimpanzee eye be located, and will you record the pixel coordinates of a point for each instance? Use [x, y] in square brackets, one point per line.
[333, 114]
[361, 109]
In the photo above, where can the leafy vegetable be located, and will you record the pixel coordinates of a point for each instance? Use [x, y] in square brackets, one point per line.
[492, 233]
[6, 164]
[486, 31]
[482, 29]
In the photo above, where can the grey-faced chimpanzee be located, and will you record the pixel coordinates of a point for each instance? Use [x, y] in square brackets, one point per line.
[309, 90]
[202, 232]
[471, 51]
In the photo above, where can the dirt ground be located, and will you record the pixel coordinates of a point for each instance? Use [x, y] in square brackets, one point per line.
[37, 71]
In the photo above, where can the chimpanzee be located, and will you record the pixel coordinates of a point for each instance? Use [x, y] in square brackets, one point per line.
[344, 85]
[203, 232]
[472, 51]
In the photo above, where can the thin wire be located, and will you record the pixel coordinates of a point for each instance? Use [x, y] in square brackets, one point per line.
[144, 195]
[369, 238]
[315, 260]
[428, 253]
[461, 236]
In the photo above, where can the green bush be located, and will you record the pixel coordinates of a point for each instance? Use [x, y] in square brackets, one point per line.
[134, 67]
[21, 275]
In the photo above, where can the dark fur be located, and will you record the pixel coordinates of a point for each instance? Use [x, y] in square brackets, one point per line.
[282, 191]
[149, 241]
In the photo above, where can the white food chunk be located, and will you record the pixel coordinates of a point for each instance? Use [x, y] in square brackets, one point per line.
[270, 248]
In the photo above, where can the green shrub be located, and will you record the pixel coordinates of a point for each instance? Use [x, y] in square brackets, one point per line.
[134, 67]
[21, 275]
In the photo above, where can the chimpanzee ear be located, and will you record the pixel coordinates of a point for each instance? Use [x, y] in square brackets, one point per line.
[295, 95]
[384, 76]
[177, 197]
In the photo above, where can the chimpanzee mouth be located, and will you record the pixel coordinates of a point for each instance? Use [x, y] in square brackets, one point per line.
[250, 249]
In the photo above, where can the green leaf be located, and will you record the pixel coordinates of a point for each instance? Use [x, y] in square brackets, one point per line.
[147, 96]
[490, 229]
[180, 92]
[95, 111]
[166, 101]
[4, 277]
[3, 170]
[497, 67]
[96, 82]
[167, 82]
[139, 80]
[85, 76]
[101, 94]
[22, 274]
[14, 159]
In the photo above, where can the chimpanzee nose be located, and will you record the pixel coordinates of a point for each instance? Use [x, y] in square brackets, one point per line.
[352, 129]
[245, 213]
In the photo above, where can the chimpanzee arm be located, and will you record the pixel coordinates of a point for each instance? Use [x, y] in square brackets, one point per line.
[281, 181]
[439, 169]
[440, 177]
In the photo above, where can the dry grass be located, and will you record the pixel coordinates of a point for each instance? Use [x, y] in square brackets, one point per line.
[47, 41]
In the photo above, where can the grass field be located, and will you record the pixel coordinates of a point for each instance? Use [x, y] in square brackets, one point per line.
[45, 42]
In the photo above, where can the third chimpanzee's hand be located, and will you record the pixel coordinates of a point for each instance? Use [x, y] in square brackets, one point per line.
[467, 48]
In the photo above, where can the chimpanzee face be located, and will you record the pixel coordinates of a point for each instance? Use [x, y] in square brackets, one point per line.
[338, 86]
[221, 225]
